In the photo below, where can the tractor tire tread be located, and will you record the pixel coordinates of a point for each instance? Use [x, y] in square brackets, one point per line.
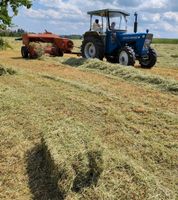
[152, 60]
[131, 55]
[24, 52]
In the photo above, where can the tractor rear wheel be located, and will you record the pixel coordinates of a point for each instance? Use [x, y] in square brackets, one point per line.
[92, 48]
[24, 52]
[126, 56]
[151, 61]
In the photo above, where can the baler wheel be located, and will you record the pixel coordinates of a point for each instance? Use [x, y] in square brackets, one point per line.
[126, 56]
[92, 48]
[24, 52]
[151, 61]
[60, 53]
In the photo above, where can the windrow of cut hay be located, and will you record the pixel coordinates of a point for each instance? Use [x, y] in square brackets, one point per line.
[125, 72]
[6, 71]
[84, 167]
[4, 44]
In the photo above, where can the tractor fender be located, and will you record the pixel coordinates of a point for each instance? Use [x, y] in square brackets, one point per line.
[94, 34]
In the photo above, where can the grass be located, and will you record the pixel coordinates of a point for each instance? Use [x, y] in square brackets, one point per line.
[4, 44]
[165, 41]
[166, 58]
[72, 131]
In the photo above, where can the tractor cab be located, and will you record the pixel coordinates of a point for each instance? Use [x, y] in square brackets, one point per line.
[107, 37]
[110, 20]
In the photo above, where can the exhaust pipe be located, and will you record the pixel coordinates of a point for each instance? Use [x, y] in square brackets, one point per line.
[136, 23]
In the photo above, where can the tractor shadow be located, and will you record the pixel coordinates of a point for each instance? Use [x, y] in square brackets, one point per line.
[19, 58]
[41, 184]
[89, 177]
[74, 62]
[45, 185]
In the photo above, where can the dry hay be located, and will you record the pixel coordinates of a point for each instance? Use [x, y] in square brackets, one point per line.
[39, 48]
[74, 156]
[6, 71]
[4, 44]
[134, 141]
[84, 168]
[125, 72]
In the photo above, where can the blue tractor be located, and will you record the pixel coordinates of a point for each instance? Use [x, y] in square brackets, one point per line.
[110, 39]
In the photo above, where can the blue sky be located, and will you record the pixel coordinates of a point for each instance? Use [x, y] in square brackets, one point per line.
[69, 16]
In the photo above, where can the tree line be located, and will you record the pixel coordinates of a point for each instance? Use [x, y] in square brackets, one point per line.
[12, 33]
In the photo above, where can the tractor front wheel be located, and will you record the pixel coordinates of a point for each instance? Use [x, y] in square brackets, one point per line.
[24, 52]
[126, 56]
[151, 61]
[92, 48]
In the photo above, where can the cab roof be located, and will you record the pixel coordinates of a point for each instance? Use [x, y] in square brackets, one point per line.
[108, 12]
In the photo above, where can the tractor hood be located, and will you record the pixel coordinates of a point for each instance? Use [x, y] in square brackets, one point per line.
[136, 36]
[140, 41]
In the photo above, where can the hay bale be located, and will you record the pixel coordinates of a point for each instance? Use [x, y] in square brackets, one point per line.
[38, 49]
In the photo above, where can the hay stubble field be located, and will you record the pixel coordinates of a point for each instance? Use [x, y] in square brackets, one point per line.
[77, 129]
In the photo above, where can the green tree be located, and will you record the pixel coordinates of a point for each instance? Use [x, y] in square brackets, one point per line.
[5, 18]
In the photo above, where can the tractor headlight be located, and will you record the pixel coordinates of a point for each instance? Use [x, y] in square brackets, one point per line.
[148, 41]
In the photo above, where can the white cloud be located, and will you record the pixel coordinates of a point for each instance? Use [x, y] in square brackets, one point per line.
[149, 17]
[70, 16]
[168, 27]
[153, 4]
[35, 14]
[43, 14]
[171, 16]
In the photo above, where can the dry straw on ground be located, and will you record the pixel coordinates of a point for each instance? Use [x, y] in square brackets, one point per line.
[126, 72]
[80, 163]
[110, 133]
[6, 71]
[84, 168]
[4, 44]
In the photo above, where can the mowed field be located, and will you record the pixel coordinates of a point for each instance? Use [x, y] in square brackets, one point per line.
[77, 129]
